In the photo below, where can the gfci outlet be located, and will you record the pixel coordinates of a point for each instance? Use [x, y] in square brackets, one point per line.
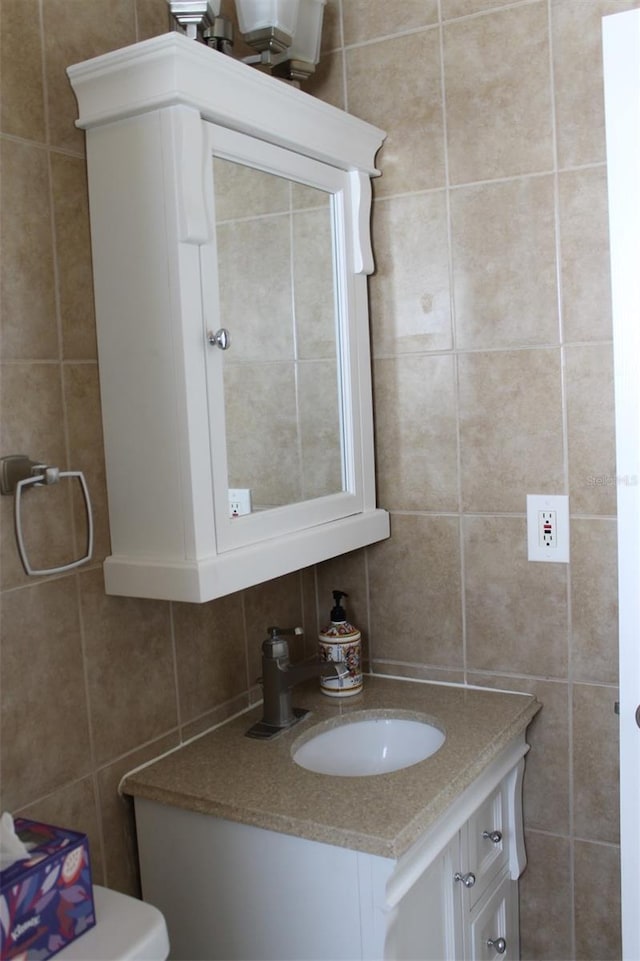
[548, 528]
[239, 501]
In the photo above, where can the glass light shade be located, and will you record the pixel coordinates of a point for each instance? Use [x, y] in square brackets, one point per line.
[306, 42]
[258, 14]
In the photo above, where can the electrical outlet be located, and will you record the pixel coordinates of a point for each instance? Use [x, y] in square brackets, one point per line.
[548, 528]
[239, 501]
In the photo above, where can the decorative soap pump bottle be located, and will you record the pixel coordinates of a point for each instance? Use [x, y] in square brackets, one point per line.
[341, 641]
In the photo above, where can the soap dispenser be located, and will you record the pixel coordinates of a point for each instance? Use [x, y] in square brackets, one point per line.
[341, 641]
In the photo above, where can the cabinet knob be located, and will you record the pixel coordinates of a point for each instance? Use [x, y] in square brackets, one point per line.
[467, 879]
[498, 944]
[495, 836]
[221, 338]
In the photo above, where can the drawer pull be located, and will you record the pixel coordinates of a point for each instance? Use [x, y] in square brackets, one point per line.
[498, 944]
[467, 879]
[221, 338]
[495, 836]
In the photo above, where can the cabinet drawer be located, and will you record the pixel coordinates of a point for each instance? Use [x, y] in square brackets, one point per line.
[493, 929]
[487, 840]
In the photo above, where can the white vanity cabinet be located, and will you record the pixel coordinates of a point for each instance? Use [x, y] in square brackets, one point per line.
[231, 247]
[465, 904]
[235, 891]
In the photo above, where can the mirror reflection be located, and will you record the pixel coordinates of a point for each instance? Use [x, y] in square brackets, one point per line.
[282, 372]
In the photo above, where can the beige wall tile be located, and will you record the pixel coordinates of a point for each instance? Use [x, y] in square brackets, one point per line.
[418, 672]
[45, 733]
[331, 27]
[546, 776]
[75, 30]
[219, 714]
[464, 8]
[406, 103]
[32, 424]
[310, 608]
[86, 452]
[117, 818]
[22, 108]
[130, 669]
[416, 446]
[510, 428]
[29, 325]
[577, 66]
[75, 807]
[73, 255]
[595, 763]
[152, 18]
[597, 902]
[516, 611]
[369, 19]
[410, 299]
[590, 429]
[546, 899]
[584, 246]
[498, 109]
[504, 270]
[211, 654]
[594, 600]
[327, 83]
[414, 592]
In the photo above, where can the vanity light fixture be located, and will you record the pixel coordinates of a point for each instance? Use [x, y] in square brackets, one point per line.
[285, 34]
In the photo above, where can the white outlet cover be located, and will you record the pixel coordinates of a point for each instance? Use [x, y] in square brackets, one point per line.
[548, 502]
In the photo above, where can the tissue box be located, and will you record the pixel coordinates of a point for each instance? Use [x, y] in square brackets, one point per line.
[46, 901]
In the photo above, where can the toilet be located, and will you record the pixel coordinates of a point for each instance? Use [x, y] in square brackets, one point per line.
[126, 930]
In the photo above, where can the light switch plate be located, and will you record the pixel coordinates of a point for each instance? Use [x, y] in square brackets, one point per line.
[548, 528]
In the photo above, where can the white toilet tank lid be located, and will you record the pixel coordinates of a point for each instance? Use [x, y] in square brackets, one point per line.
[126, 930]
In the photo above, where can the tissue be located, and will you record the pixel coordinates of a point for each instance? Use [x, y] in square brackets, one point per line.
[46, 893]
[11, 847]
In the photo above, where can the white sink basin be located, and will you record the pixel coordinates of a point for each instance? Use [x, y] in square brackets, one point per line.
[368, 745]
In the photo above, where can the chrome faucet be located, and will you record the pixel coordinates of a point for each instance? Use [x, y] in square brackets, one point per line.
[279, 676]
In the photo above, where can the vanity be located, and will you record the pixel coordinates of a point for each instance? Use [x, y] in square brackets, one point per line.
[251, 856]
[231, 247]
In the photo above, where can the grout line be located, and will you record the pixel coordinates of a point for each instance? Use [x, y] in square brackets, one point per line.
[508, 349]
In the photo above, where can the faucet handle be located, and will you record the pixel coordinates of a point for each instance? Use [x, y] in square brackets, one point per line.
[276, 631]
[276, 646]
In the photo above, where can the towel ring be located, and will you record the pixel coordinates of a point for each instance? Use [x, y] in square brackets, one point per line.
[20, 473]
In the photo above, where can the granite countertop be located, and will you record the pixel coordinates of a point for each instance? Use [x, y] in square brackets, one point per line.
[226, 774]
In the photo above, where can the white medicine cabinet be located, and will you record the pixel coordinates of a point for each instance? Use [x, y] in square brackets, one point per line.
[231, 247]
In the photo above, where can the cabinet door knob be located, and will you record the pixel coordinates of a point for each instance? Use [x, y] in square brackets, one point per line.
[498, 944]
[495, 836]
[221, 338]
[467, 879]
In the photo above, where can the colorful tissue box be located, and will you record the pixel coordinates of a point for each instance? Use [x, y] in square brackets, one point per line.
[46, 900]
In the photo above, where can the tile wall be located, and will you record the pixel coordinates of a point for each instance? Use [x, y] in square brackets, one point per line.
[491, 336]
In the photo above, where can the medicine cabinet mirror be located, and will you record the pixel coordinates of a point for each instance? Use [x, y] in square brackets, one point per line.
[282, 369]
[230, 235]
